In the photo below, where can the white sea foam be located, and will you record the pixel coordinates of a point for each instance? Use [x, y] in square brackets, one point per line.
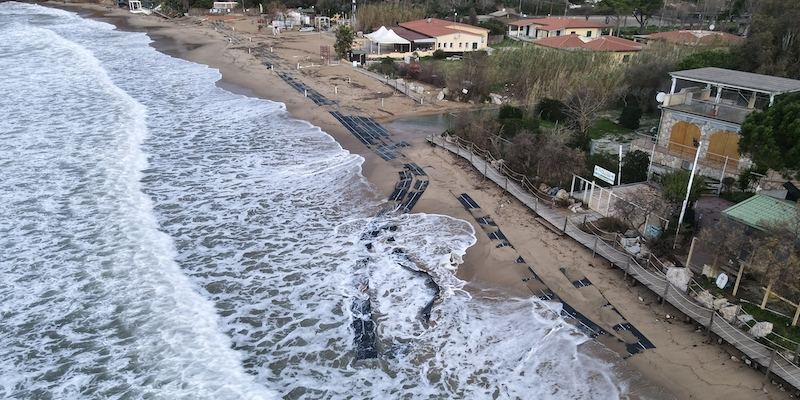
[163, 237]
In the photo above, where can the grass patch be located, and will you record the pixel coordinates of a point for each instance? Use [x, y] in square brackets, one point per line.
[605, 127]
[780, 325]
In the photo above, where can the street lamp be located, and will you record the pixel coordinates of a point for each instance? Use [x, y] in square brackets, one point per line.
[698, 145]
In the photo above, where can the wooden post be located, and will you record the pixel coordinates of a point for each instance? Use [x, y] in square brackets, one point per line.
[594, 248]
[796, 315]
[470, 151]
[769, 367]
[666, 290]
[796, 353]
[505, 188]
[766, 295]
[627, 266]
[738, 279]
[566, 219]
[649, 262]
[691, 251]
[536, 205]
[710, 325]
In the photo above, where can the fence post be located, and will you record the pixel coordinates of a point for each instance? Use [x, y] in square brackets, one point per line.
[666, 290]
[536, 205]
[649, 262]
[710, 325]
[796, 354]
[505, 188]
[627, 267]
[566, 219]
[471, 145]
[594, 248]
[458, 147]
[769, 367]
[572, 187]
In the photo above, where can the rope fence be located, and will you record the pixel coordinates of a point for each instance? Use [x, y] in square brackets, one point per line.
[778, 359]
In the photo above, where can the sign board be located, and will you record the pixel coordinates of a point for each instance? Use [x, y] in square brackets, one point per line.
[604, 174]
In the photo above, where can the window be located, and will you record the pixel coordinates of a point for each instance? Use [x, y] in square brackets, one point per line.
[483, 39]
[588, 33]
[474, 45]
[626, 58]
[573, 32]
[451, 45]
[459, 44]
[558, 33]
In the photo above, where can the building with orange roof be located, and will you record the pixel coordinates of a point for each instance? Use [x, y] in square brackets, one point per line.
[622, 49]
[694, 37]
[450, 36]
[539, 28]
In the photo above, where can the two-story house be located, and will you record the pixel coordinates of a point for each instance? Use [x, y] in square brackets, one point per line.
[539, 28]
[707, 107]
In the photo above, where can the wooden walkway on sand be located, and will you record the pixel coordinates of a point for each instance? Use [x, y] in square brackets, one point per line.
[772, 361]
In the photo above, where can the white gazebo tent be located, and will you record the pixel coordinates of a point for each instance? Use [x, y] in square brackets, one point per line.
[385, 36]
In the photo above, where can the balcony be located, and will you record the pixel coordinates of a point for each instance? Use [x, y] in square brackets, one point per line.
[676, 155]
[689, 102]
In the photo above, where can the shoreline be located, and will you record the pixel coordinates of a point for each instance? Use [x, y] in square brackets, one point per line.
[681, 363]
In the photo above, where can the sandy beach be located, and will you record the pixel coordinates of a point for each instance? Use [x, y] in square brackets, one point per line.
[682, 361]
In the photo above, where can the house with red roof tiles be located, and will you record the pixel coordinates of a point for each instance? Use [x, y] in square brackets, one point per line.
[622, 49]
[539, 28]
[693, 37]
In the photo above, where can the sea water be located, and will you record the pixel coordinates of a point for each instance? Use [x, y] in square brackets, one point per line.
[161, 237]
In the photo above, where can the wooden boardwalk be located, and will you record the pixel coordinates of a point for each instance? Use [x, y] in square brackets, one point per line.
[772, 361]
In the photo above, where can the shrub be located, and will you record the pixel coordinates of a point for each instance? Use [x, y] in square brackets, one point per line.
[508, 111]
[386, 67]
[634, 166]
[630, 116]
[439, 54]
[551, 110]
[409, 70]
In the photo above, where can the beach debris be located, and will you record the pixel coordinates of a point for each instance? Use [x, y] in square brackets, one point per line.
[562, 194]
[668, 316]
[440, 96]
[719, 341]
[705, 299]
[748, 362]
[640, 298]
[679, 277]
[761, 329]
[734, 359]
[631, 245]
[720, 302]
[576, 207]
[729, 312]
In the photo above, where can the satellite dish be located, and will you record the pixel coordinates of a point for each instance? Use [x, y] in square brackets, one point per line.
[660, 97]
[711, 27]
[722, 280]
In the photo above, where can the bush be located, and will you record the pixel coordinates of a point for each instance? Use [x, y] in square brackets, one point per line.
[630, 116]
[507, 111]
[551, 110]
[634, 166]
[439, 54]
[409, 71]
[386, 67]
[512, 126]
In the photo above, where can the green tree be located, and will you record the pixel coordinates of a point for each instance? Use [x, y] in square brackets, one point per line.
[634, 166]
[643, 10]
[771, 138]
[708, 58]
[344, 41]
[772, 47]
[674, 184]
[616, 8]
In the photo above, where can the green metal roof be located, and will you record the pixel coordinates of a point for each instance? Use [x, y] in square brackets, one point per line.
[759, 210]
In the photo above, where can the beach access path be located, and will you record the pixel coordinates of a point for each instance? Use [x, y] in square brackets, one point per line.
[771, 361]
